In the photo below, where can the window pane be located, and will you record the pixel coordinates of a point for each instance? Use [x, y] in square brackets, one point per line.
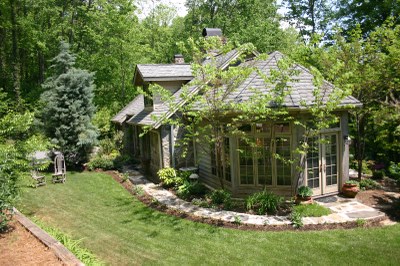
[246, 163]
[283, 168]
[282, 128]
[313, 163]
[264, 161]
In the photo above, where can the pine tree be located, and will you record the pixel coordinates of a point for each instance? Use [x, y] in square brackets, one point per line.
[68, 108]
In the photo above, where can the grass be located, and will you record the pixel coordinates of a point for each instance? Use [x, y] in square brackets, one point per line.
[120, 230]
[84, 255]
[311, 210]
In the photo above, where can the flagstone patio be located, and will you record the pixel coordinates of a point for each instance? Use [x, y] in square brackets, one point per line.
[343, 209]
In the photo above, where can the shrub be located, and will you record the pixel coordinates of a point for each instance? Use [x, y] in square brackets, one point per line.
[368, 184]
[121, 160]
[189, 190]
[304, 191]
[311, 210]
[378, 174]
[351, 182]
[222, 198]
[263, 202]
[297, 219]
[169, 177]
[394, 170]
[105, 162]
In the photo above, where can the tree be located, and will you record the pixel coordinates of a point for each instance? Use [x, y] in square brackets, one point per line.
[17, 141]
[368, 14]
[369, 67]
[68, 108]
[310, 16]
[242, 21]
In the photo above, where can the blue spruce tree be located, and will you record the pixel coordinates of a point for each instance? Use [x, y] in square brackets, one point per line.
[68, 108]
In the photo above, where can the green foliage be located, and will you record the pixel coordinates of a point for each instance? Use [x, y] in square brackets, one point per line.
[75, 246]
[263, 202]
[17, 142]
[311, 210]
[169, 177]
[369, 184]
[105, 162]
[394, 170]
[352, 182]
[297, 219]
[190, 190]
[237, 220]
[68, 108]
[378, 174]
[304, 191]
[221, 198]
[361, 222]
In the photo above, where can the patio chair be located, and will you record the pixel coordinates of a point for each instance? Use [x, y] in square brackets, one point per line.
[60, 172]
[40, 179]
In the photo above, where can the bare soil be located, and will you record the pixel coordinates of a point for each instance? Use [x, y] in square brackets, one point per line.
[148, 200]
[385, 199]
[19, 247]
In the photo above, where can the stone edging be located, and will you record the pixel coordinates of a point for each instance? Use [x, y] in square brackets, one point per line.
[348, 211]
[59, 250]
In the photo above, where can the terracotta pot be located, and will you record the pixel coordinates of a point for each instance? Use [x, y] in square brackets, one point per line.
[350, 190]
[303, 200]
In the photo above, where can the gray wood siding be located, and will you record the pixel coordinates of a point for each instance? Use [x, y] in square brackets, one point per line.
[172, 86]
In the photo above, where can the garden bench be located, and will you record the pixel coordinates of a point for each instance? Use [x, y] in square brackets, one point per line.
[60, 173]
[40, 179]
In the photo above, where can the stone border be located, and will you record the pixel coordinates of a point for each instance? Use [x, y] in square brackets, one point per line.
[59, 250]
[344, 211]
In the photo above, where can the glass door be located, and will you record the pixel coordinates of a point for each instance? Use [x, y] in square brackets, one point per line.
[330, 163]
[322, 164]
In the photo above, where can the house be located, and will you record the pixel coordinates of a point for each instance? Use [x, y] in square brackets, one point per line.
[246, 168]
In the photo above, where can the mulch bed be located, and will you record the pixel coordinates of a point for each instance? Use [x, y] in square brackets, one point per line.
[19, 247]
[149, 201]
[386, 200]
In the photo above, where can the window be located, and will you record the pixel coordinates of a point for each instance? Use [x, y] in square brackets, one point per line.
[283, 167]
[258, 164]
[225, 168]
[264, 165]
[313, 163]
[246, 163]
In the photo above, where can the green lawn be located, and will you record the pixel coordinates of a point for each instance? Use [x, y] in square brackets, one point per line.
[120, 230]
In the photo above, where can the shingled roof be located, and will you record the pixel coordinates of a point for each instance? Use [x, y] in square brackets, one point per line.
[301, 94]
[163, 72]
[300, 97]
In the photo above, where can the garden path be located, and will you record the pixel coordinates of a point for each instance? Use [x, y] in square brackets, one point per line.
[343, 209]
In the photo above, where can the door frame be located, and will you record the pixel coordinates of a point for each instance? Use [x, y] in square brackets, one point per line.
[323, 188]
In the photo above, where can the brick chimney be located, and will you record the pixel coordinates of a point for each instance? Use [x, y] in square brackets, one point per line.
[178, 59]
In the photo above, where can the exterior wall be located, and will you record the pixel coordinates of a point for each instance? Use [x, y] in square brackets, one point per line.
[178, 151]
[127, 140]
[204, 164]
[344, 120]
[166, 146]
[203, 154]
[172, 86]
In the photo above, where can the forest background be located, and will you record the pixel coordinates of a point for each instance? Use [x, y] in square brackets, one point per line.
[354, 44]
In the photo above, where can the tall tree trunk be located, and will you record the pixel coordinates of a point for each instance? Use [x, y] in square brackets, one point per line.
[41, 62]
[15, 54]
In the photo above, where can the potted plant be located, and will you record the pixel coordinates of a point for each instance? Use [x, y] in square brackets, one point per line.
[350, 188]
[304, 194]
